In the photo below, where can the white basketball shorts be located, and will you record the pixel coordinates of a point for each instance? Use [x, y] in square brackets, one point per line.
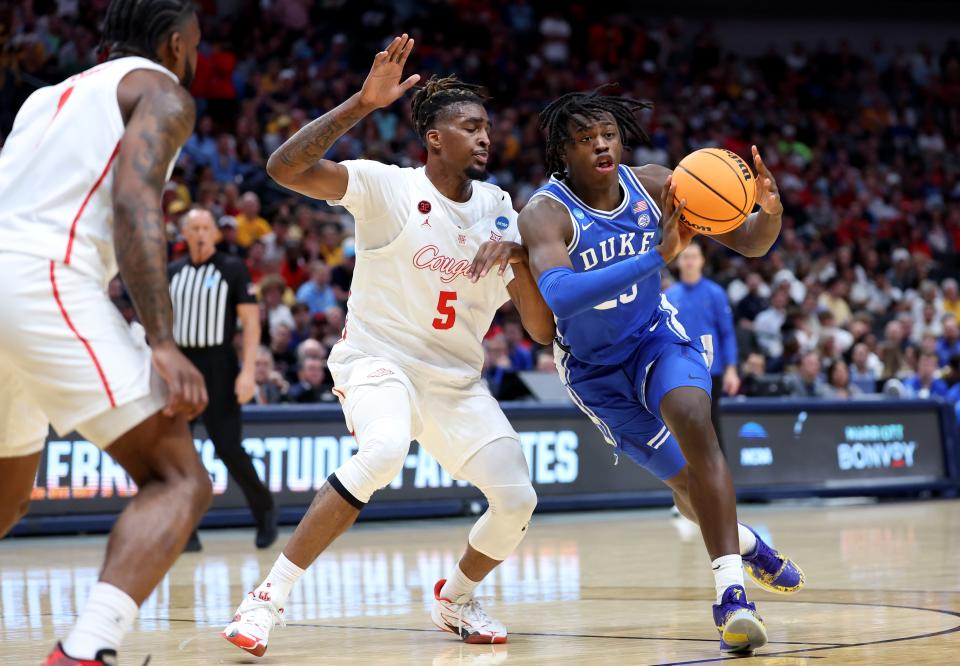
[451, 422]
[67, 358]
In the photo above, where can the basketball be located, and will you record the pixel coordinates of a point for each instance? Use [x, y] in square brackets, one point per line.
[719, 187]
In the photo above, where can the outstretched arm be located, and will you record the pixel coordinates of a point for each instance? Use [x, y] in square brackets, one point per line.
[759, 232]
[299, 165]
[160, 116]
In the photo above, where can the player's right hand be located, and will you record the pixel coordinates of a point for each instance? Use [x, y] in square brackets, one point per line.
[675, 237]
[382, 86]
[187, 391]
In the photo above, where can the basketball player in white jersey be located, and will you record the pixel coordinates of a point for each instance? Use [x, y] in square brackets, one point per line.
[408, 364]
[81, 176]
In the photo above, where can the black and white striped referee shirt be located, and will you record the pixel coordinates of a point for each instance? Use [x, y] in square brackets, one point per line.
[205, 299]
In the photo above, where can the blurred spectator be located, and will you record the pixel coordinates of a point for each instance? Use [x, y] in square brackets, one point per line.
[925, 383]
[311, 387]
[293, 268]
[753, 369]
[752, 303]
[301, 323]
[835, 301]
[250, 226]
[546, 361]
[519, 349]
[201, 148]
[335, 321]
[284, 354]
[317, 292]
[951, 297]
[271, 386]
[331, 251]
[496, 362]
[865, 368]
[948, 344]
[807, 382]
[895, 364]
[768, 324]
[839, 386]
[228, 237]
[272, 289]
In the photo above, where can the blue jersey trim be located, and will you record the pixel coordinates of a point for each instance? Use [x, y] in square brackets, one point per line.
[643, 191]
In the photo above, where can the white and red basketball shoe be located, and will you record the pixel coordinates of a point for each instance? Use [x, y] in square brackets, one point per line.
[466, 619]
[252, 623]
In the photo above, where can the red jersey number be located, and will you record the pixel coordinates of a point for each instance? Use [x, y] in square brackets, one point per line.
[445, 308]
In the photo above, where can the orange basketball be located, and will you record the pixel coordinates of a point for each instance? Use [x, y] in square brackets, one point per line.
[719, 187]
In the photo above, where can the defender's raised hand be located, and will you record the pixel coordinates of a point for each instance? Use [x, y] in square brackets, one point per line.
[768, 196]
[382, 86]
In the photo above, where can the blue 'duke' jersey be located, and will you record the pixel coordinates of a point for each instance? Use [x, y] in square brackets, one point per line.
[608, 333]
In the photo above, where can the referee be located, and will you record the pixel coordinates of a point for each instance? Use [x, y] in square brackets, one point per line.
[210, 291]
[705, 311]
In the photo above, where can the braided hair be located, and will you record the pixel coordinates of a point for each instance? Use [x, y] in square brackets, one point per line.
[437, 95]
[580, 106]
[137, 27]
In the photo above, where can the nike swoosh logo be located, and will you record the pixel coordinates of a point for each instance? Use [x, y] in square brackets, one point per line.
[654, 326]
[584, 227]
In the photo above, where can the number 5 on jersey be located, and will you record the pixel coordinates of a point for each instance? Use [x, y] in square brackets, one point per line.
[445, 308]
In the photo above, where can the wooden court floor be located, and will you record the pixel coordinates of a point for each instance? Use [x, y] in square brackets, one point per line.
[591, 588]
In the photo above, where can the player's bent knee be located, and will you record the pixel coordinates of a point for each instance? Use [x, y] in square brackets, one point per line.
[380, 458]
[519, 503]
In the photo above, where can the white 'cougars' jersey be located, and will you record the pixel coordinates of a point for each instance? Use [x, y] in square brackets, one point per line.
[410, 300]
[56, 170]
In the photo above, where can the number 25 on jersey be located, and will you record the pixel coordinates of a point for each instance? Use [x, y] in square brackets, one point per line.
[445, 308]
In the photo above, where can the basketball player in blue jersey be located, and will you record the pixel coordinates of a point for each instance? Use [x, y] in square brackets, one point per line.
[597, 240]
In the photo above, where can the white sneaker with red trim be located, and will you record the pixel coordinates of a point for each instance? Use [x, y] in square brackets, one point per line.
[252, 623]
[466, 619]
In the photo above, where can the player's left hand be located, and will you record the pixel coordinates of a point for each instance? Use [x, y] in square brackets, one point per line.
[244, 387]
[493, 253]
[768, 196]
[731, 381]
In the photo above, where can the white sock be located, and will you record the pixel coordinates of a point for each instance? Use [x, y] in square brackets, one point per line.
[278, 583]
[727, 571]
[458, 586]
[748, 540]
[107, 616]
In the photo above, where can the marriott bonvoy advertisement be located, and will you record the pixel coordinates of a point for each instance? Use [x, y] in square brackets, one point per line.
[833, 449]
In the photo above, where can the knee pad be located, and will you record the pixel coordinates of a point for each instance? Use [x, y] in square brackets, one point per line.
[501, 529]
[383, 448]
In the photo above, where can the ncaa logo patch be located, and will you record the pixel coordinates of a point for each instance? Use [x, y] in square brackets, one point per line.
[424, 207]
[502, 223]
[643, 220]
[577, 213]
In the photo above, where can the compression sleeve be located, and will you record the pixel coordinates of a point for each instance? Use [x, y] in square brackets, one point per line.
[569, 293]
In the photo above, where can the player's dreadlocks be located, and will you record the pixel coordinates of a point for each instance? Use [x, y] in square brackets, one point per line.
[580, 106]
[436, 95]
[136, 27]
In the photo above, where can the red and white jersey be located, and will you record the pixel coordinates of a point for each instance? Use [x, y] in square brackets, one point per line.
[56, 170]
[410, 300]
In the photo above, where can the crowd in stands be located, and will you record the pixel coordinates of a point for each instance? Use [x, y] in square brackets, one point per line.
[858, 296]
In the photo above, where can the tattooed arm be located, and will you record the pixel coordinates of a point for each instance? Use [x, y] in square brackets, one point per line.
[299, 165]
[159, 116]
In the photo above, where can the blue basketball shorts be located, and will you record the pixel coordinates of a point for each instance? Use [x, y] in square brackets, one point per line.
[623, 401]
